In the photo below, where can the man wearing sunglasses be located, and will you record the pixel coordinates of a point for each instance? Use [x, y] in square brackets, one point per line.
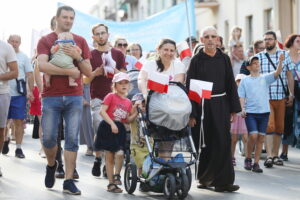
[122, 45]
[215, 168]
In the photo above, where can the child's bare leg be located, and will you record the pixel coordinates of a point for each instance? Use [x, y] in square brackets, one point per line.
[72, 82]
[119, 158]
[234, 139]
[110, 162]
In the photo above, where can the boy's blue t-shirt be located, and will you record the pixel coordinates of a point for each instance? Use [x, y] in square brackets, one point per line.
[255, 90]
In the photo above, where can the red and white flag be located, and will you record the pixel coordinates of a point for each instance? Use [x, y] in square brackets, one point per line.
[279, 39]
[158, 82]
[200, 90]
[195, 92]
[184, 50]
[138, 65]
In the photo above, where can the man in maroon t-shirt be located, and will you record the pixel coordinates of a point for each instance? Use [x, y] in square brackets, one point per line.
[60, 99]
[100, 80]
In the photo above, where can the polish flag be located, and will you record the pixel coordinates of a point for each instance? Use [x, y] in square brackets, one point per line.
[206, 89]
[195, 92]
[138, 65]
[200, 89]
[184, 50]
[279, 39]
[158, 82]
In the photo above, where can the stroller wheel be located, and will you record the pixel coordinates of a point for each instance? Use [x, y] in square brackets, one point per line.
[130, 178]
[170, 186]
[183, 186]
[189, 175]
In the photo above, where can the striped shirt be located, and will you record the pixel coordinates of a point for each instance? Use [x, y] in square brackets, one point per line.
[276, 91]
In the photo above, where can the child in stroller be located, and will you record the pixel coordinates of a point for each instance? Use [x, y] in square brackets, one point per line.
[158, 175]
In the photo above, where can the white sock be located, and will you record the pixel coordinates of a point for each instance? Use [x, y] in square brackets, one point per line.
[18, 146]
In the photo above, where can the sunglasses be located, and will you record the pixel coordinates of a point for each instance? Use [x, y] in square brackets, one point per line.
[124, 45]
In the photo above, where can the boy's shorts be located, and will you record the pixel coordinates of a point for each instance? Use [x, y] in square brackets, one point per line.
[139, 154]
[257, 123]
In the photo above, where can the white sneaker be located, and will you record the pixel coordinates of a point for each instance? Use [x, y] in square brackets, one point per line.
[42, 153]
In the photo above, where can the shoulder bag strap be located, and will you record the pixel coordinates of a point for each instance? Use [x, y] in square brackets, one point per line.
[284, 88]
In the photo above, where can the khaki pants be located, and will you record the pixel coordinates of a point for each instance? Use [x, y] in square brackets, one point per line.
[277, 114]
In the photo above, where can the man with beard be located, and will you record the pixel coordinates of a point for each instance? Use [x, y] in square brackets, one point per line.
[211, 64]
[104, 58]
[62, 100]
[281, 94]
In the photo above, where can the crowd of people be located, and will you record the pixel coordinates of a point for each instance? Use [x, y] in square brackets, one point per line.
[79, 93]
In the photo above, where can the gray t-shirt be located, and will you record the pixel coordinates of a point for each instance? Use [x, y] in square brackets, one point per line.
[24, 66]
[7, 55]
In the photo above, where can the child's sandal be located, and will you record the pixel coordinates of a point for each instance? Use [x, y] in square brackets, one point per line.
[114, 188]
[117, 179]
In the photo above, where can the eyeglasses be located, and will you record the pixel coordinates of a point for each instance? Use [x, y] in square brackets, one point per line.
[134, 49]
[124, 45]
[268, 39]
[101, 33]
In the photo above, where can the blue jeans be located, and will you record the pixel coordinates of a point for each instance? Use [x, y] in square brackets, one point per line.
[70, 108]
[257, 123]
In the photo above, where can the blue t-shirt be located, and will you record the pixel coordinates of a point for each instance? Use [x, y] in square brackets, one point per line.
[24, 66]
[255, 90]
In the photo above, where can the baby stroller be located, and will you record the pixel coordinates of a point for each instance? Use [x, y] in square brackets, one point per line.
[172, 177]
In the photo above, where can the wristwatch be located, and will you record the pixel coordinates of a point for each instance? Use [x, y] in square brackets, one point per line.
[80, 60]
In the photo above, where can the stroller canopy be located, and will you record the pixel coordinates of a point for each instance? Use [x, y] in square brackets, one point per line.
[170, 110]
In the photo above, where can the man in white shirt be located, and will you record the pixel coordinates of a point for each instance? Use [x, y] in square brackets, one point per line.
[17, 108]
[8, 71]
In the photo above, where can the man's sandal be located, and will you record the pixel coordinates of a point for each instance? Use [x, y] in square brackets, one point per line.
[277, 161]
[114, 188]
[117, 179]
[269, 162]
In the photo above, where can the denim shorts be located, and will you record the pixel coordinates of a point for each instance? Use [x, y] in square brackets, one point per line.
[257, 123]
[70, 108]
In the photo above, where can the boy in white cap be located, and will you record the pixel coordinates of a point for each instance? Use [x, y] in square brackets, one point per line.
[254, 98]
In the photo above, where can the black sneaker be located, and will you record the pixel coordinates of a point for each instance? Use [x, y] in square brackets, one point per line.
[227, 188]
[248, 164]
[60, 173]
[283, 156]
[70, 187]
[19, 153]
[256, 168]
[75, 174]
[96, 170]
[5, 148]
[50, 175]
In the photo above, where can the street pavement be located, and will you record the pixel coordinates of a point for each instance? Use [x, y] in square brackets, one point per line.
[23, 179]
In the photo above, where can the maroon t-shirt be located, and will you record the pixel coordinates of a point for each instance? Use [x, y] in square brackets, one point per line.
[101, 85]
[59, 85]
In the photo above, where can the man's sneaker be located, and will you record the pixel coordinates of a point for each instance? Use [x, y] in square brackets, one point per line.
[19, 153]
[5, 148]
[70, 187]
[75, 174]
[284, 157]
[96, 170]
[60, 173]
[256, 168]
[50, 175]
[248, 164]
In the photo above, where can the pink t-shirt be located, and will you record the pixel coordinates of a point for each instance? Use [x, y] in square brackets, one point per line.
[118, 107]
